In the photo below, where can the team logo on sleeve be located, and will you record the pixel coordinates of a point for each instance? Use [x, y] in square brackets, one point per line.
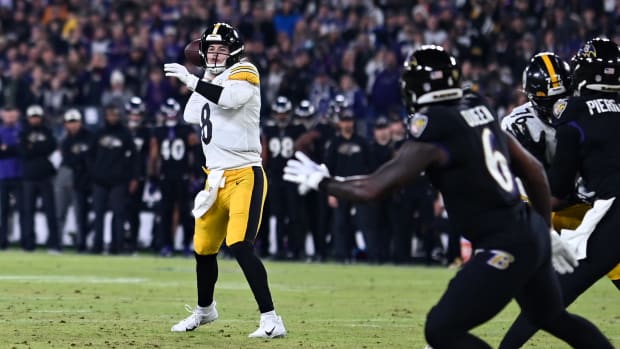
[559, 107]
[418, 124]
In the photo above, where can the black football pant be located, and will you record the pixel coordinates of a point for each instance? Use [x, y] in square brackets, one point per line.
[603, 255]
[379, 234]
[494, 276]
[81, 209]
[32, 190]
[134, 206]
[116, 196]
[175, 192]
[285, 204]
[8, 187]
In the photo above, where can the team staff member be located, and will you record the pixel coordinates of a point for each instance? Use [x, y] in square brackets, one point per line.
[11, 172]
[347, 154]
[75, 151]
[456, 138]
[37, 143]
[115, 173]
[227, 108]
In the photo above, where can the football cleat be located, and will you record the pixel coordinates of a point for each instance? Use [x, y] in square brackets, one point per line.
[200, 316]
[271, 326]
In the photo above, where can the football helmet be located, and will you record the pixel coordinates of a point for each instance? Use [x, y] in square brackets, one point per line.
[135, 105]
[170, 110]
[546, 79]
[281, 109]
[224, 34]
[430, 75]
[305, 110]
[596, 66]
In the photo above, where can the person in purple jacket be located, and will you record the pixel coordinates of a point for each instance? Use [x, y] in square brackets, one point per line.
[11, 171]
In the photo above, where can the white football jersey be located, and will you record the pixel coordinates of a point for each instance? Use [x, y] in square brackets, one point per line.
[525, 114]
[230, 131]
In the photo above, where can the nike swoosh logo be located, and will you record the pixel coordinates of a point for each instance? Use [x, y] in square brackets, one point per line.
[270, 332]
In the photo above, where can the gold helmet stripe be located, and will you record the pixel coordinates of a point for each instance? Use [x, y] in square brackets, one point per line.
[551, 71]
[215, 28]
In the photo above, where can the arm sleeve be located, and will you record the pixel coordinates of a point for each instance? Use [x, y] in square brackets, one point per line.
[236, 93]
[565, 164]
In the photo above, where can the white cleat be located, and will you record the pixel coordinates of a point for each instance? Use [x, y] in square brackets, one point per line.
[271, 326]
[200, 316]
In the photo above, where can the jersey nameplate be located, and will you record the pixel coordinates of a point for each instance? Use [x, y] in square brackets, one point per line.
[601, 105]
[477, 116]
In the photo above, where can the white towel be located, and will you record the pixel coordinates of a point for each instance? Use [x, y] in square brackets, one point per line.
[205, 198]
[578, 239]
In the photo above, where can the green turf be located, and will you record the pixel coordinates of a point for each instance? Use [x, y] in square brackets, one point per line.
[75, 301]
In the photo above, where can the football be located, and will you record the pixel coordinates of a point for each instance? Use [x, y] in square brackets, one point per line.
[192, 55]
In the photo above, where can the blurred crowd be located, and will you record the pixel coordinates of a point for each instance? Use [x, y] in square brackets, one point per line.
[332, 67]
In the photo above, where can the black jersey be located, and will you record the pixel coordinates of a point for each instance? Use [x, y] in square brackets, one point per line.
[141, 136]
[588, 136]
[280, 146]
[174, 150]
[477, 185]
[347, 157]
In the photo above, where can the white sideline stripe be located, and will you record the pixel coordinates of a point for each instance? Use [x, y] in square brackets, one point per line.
[71, 279]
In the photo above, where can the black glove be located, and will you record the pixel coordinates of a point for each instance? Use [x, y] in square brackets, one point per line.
[524, 136]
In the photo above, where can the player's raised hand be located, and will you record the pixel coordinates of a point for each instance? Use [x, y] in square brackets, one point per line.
[180, 72]
[305, 172]
[562, 257]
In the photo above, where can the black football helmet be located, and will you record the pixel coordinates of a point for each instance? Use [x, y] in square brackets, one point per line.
[596, 66]
[430, 75]
[135, 106]
[224, 34]
[305, 110]
[281, 108]
[546, 79]
[170, 110]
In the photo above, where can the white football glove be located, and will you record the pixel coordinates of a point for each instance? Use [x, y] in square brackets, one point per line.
[180, 72]
[305, 172]
[562, 257]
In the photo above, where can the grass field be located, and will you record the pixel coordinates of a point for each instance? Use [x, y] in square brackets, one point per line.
[75, 301]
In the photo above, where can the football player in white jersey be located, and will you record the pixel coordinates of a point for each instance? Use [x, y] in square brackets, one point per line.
[547, 82]
[226, 104]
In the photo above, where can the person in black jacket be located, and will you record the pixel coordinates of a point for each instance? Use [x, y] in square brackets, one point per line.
[37, 143]
[114, 171]
[347, 155]
[74, 150]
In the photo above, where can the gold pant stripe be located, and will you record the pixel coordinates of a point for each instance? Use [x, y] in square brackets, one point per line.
[236, 213]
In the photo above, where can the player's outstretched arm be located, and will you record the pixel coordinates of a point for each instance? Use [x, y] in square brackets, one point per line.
[532, 174]
[409, 162]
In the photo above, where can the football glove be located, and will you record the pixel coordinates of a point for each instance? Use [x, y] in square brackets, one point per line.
[180, 72]
[306, 173]
[563, 258]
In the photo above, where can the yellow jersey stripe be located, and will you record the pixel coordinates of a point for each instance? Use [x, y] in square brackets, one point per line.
[551, 71]
[245, 66]
[245, 75]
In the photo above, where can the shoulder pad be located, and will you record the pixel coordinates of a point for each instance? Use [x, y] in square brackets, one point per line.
[244, 71]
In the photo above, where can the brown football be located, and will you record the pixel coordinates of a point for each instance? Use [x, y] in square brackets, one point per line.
[192, 55]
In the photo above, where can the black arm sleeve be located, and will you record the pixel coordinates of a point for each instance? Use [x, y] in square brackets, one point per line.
[210, 91]
[565, 164]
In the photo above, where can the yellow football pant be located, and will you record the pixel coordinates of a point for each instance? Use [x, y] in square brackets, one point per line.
[236, 213]
[570, 218]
